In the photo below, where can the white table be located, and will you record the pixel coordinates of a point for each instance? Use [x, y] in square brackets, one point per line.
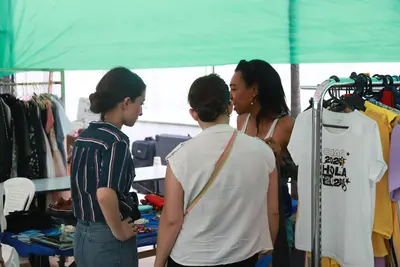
[46, 185]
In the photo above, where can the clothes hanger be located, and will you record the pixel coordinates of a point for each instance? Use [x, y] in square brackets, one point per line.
[333, 93]
[390, 83]
[355, 100]
[334, 100]
[368, 92]
[379, 94]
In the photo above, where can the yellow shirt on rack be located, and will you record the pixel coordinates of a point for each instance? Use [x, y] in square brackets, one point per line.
[391, 117]
[383, 218]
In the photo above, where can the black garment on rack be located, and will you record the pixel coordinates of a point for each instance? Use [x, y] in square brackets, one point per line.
[281, 252]
[21, 133]
[37, 161]
[6, 144]
[43, 117]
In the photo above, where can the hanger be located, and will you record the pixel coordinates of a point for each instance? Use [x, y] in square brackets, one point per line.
[334, 101]
[377, 95]
[355, 100]
[368, 92]
[333, 93]
[390, 82]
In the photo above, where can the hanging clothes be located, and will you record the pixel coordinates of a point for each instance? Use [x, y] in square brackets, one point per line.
[383, 223]
[347, 199]
[5, 143]
[51, 172]
[382, 206]
[28, 137]
[37, 161]
[62, 126]
[396, 229]
[379, 104]
[394, 169]
[21, 140]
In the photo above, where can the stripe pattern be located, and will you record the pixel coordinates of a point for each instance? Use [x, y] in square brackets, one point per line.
[101, 158]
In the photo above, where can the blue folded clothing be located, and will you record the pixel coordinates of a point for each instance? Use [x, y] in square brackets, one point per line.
[27, 235]
[264, 261]
[145, 208]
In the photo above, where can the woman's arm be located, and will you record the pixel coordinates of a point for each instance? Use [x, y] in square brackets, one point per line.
[109, 206]
[112, 179]
[171, 219]
[273, 205]
[287, 129]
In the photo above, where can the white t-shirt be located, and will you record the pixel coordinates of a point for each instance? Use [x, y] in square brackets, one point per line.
[230, 222]
[353, 164]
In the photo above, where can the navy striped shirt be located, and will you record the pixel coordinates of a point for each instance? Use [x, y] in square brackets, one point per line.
[101, 158]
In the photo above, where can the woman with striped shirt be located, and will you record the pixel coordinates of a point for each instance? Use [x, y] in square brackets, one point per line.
[102, 173]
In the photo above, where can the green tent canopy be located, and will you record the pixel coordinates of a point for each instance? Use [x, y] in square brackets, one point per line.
[93, 35]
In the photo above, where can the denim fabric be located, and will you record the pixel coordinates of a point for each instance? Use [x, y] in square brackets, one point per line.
[250, 262]
[95, 246]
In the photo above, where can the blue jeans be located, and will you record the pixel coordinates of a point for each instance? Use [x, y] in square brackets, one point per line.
[95, 246]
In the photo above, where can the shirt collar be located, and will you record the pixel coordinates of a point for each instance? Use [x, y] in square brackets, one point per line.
[109, 126]
[218, 128]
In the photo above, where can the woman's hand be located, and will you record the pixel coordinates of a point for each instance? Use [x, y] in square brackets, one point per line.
[127, 230]
[275, 146]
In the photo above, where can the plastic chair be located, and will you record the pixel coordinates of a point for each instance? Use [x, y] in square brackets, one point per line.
[10, 256]
[19, 194]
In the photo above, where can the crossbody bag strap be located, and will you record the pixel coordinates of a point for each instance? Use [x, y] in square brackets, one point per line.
[218, 166]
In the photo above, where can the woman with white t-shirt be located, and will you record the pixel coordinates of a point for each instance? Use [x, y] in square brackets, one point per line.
[221, 190]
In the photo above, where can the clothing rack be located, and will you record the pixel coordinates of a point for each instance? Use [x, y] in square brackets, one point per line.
[50, 83]
[316, 164]
[30, 84]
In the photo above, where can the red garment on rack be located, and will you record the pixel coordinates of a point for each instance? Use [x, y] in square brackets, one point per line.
[387, 98]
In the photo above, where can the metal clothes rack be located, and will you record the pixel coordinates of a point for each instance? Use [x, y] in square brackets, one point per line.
[316, 163]
[50, 83]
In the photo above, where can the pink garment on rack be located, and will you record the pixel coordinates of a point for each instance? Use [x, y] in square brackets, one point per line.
[50, 117]
[60, 170]
[380, 262]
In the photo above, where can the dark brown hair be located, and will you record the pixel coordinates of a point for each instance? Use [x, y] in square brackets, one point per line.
[271, 95]
[209, 97]
[116, 85]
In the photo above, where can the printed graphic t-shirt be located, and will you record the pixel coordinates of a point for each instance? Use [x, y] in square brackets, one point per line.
[352, 164]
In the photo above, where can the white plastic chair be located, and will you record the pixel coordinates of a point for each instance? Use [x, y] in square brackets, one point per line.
[19, 194]
[10, 256]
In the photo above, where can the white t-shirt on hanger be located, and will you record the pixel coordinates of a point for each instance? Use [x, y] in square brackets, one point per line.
[353, 163]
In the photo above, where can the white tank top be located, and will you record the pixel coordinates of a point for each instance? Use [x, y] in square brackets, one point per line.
[270, 131]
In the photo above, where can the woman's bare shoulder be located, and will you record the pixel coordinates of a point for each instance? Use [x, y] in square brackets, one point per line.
[287, 122]
[285, 126]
